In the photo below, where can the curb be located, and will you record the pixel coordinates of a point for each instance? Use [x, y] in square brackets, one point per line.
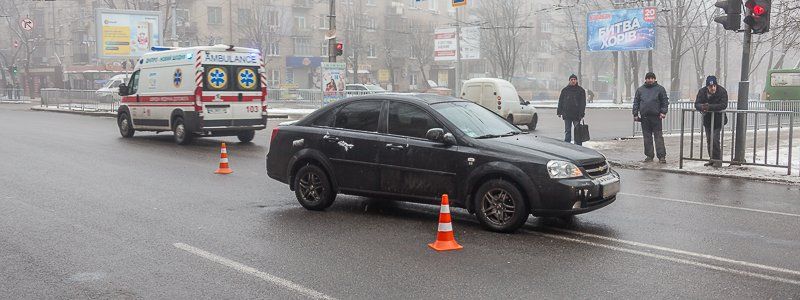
[685, 172]
[114, 114]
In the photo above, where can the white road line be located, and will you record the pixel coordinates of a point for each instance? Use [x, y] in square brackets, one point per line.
[682, 252]
[714, 205]
[671, 259]
[252, 271]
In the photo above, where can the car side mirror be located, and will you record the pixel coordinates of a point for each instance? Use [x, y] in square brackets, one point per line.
[435, 134]
[123, 90]
[527, 102]
[449, 139]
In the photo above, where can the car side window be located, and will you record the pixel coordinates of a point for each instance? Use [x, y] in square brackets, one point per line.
[409, 120]
[133, 87]
[361, 115]
[326, 119]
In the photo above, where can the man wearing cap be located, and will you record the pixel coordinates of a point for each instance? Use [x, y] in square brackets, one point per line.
[709, 101]
[650, 106]
[571, 107]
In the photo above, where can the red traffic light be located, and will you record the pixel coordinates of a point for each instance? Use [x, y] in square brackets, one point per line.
[758, 10]
[339, 46]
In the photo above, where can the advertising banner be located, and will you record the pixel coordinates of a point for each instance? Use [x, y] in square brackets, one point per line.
[621, 29]
[126, 33]
[471, 42]
[444, 44]
[333, 81]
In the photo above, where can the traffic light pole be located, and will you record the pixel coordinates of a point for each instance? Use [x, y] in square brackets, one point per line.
[332, 27]
[741, 103]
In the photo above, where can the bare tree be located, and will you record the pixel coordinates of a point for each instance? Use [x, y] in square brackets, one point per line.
[421, 40]
[503, 22]
[679, 17]
[261, 27]
[28, 40]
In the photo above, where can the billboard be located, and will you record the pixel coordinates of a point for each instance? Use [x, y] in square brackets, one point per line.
[621, 29]
[333, 81]
[444, 44]
[126, 33]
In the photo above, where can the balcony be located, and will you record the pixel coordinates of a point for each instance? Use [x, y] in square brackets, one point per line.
[302, 4]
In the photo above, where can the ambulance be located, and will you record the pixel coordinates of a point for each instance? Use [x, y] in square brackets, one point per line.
[196, 91]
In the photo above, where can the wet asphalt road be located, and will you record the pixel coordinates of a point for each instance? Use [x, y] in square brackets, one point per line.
[87, 214]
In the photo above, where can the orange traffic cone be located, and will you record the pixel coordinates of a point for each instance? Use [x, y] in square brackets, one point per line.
[444, 238]
[223, 161]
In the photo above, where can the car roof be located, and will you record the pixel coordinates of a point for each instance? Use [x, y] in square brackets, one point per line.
[487, 79]
[419, 98]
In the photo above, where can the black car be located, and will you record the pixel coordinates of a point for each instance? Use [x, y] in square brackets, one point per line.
[416, 147]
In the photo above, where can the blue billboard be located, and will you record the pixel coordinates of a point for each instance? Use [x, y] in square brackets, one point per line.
[621, 29]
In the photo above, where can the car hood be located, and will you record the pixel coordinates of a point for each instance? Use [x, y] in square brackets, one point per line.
[546, 147]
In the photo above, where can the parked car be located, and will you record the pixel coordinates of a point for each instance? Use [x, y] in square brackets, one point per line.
[416, 147]
[501, 97]
[110, 91]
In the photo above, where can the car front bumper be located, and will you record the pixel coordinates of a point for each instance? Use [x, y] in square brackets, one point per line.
[577, 196]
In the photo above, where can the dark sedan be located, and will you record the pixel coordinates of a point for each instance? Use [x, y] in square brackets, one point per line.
[416, 147]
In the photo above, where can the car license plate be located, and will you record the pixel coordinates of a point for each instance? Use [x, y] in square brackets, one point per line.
[609, 185]
[217, 110]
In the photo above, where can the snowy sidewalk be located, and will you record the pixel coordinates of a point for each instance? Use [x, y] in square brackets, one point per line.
[105, 110]
[629, 153]
[606, 104]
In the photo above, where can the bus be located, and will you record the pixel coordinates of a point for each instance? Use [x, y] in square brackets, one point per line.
[783, 85]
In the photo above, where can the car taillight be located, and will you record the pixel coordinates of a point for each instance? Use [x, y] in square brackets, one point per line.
[274, 134]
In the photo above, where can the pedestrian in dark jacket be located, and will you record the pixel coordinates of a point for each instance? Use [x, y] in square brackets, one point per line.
[710, 100]
[650, 106]
[571, 107]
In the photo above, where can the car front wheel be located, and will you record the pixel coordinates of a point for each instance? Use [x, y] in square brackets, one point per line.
[125, 125]
[500, 206]
[534, 121]
[312, 188]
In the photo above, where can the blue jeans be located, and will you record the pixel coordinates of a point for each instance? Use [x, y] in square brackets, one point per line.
[568, 126]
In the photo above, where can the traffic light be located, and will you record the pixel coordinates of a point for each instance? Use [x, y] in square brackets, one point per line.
[758, 15]
[14, 70]
[732, 19]
[339, 49]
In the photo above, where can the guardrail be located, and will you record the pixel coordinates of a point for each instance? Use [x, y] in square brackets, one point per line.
[773, 128]
[672, 123]
[305, 97]
[83, 100]
[13, 94]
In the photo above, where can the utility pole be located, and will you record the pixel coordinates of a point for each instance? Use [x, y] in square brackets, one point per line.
[332, 26]
[174, 26]
[230, 20]
[744, 90]
[458, 53]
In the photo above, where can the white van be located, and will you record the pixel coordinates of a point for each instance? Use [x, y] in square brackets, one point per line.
[110, 91]
[198, 91]
[501, 97]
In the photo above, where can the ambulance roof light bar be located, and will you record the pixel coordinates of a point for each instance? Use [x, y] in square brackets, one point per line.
[158, 48]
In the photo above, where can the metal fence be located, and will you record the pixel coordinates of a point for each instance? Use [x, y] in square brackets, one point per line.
[772, 134]
[15, 94]
[84, 100]
[672, 123]
[312, 98]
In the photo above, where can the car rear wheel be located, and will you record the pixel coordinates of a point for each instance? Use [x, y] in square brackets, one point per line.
[181, 134]
[125, 125]
[500, 206]
[312, 188]
[246, 136]
[533, 123]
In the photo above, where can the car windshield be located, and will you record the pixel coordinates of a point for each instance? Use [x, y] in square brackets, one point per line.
[475, 120]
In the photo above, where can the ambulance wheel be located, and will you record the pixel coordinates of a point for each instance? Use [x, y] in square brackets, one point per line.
[125, 125]
[182, 136]
[246, 136]
[312, 188]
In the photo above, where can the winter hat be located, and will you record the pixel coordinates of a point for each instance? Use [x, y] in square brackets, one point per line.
[650, 75]
[711, 80]
[573, 76]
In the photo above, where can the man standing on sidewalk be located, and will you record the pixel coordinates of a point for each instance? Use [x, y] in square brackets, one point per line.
[571, 107]
[710, 100]
[650, 105]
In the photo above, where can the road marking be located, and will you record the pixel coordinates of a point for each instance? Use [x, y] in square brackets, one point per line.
[671, 259]
[252, 271]
[678, 251]
[714, 205]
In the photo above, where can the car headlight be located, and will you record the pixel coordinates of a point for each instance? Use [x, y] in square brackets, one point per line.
[558, 169]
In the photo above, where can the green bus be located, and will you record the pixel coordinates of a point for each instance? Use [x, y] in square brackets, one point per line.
[783, 85]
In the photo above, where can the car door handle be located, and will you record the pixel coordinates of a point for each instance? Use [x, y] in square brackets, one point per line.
[329, 138]
[395, 147]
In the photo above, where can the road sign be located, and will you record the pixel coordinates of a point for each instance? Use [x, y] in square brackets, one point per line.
[26, 23]
[457, 3]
